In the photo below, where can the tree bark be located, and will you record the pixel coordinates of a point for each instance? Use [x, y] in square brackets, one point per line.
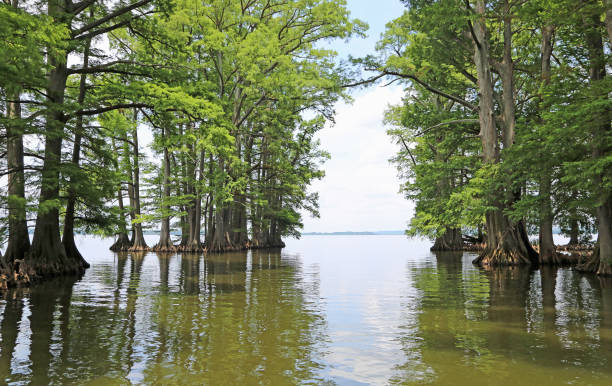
[507, 243]
[574, 232]
[138, 243]
[602, 256]
[608, 19]
[68, 236]
[451, 240]
[18, 237]
[548, 252]
[47, 255]
[165, 242]
[194, 243]
[123, 241]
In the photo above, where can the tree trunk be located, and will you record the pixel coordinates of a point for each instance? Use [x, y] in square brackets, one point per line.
[194, 244]
[574, 232]
[548, 252]
[601, 128]
[123, 241]
[47, 255]
[450, 241]
[608, 20]
[18, 237]
[507, 243]
[68, 237]
[165, 242]
[138, 243]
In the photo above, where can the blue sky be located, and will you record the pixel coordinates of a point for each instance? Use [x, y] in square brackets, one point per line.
[360, 190]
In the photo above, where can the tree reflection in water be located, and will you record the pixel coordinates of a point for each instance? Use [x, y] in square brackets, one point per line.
[472, 325]
[162, 318]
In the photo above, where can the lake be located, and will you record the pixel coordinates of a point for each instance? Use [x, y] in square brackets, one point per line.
[346, 310]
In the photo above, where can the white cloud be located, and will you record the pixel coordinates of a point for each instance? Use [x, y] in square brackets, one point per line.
[360, 189]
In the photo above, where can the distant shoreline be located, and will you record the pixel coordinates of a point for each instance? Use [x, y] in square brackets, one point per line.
[379, 233]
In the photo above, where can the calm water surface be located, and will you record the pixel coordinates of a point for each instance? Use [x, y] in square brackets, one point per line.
[346, 310]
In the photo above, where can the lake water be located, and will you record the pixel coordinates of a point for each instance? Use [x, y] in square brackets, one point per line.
[347, 310]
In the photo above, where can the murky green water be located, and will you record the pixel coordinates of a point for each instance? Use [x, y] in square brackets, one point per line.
[327, 310]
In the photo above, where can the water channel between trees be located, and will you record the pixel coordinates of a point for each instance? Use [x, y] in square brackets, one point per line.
[346, 310]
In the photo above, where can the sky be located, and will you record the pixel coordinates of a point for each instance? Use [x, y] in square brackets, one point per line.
[360, 189]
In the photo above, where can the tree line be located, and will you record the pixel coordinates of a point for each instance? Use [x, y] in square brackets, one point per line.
[232, 93]
[505, 130]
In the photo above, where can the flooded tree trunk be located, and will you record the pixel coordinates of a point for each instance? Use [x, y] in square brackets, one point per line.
[602, 255]
[47, 255]
[194, 244]
[451, 240]
[18, 238]
[68, 236]
[548, 252]
[123, 241]
[138, 242]
[165, 242]
[506, 243]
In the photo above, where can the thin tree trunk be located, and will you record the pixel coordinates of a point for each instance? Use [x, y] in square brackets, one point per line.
[123, 240]
[165, 243]
[548, 252]
[138, 243]
[68, 236]
[18, 237]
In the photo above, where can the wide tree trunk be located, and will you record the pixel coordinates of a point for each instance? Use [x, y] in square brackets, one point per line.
[450, 241]
[47, 255]
[68, 236]
[506, 243]
[602, 255]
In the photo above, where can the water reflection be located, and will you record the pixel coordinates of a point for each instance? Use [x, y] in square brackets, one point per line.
[505, 325]
[347, 311]
[161, 318]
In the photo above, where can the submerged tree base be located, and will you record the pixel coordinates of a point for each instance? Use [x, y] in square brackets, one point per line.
[593, 264]
[25, 272]
[122, 244]
[190, 247]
